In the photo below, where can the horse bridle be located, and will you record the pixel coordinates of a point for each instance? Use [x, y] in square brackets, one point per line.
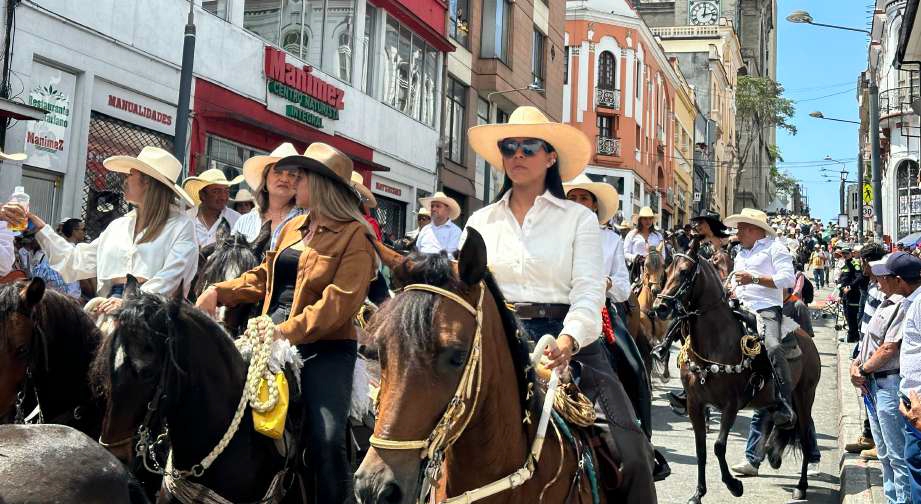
[676, 300]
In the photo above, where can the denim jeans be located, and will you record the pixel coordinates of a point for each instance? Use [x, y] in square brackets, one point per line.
[754, 447]
[913, 459]
[819, 276]
[886, 425]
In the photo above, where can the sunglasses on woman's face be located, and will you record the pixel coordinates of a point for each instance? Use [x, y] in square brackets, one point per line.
[529, 147]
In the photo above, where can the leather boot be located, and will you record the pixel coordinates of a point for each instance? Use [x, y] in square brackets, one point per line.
[784, 415]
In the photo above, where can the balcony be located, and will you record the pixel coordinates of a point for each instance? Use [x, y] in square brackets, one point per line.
[608, 146]
[684, 32]
[897, 101]
[608, 98]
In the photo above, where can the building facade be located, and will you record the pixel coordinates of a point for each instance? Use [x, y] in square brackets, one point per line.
[686, 113]
[364, 77]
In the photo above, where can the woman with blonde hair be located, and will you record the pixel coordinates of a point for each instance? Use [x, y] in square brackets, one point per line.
[155, 242]
[312, 286]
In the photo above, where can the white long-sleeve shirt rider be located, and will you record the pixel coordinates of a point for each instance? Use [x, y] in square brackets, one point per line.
[553, 257]
[432, 238]
[163, 264]
[207, 236]
[7, 255]
[615, 267]
[768, 258]
[636, 245]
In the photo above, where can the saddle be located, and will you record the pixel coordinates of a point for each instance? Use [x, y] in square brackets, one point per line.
[748, 323]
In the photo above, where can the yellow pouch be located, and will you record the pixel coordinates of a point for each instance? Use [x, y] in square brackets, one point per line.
[272, 422]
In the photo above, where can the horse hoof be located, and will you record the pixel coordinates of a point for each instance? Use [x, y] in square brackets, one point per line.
[799, 494]
[735, 487]
[694, 500]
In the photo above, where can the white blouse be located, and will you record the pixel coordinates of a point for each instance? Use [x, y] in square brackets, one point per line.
[615, 266]
[7, 255]
[635, 245]
[207, 236]
[554, 257]
[166, 262]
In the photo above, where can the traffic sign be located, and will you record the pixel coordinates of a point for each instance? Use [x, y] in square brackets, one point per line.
[868, 212]
[867, 194]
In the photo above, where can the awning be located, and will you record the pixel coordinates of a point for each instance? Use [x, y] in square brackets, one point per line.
[909, 48]
[911, 240]
[20, 111]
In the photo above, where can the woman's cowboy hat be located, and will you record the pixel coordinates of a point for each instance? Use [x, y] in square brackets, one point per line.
[442, 198]
[214, 176]
[243, 196]
[573, 148]
[155, 163]
[18, 156]
[423, 212]
[358, 182]
[604, 193]
[324, 160]
[713, 219]
[254, 167]
[646, 212]
[750, 216]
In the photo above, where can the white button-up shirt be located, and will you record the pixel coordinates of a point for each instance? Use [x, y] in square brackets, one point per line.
[553, 257]
[166, 262]
[635, 244]
[615, 267]
[910, 351]
[7, 255]
[208, 236]
[433, 239]
[768, 258]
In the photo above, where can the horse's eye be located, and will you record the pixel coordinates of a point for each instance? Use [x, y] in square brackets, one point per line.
[22, 352]
[458, 358]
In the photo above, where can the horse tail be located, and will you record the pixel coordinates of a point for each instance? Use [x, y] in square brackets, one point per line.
[782, 441]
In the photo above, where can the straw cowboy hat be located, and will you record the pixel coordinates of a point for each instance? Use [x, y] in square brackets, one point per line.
[573, 148]
[441, 198]
[623, 226]
[243, 196]
[155, 163]
[324, 160]
[604, 193]
[18, 156]
[423, 211]
[214, 176]
[750, 216]
[254, 167]
[646, 212]
[358, 182]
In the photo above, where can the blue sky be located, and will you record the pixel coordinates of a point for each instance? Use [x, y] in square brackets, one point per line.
[813, 62]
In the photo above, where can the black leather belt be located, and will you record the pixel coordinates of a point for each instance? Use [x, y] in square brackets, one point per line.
[526, 311]
[883, 374]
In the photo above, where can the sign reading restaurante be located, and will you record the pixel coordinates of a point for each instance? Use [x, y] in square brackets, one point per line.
[306, 95]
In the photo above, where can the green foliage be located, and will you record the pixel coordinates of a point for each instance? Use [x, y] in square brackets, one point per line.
[783, 183]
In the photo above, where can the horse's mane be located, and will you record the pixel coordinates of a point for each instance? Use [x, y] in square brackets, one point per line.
[413, 315]
[226, 259]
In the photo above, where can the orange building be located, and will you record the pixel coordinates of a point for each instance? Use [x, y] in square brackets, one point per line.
[620, 91]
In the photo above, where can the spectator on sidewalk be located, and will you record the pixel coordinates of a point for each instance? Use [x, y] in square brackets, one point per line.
[876, 372]
[907, 269]
[849, 281]
[819, 262]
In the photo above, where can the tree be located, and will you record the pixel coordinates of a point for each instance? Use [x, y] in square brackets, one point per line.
[760, 105]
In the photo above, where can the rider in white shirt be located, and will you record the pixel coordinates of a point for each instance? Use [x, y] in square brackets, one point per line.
[211, 191]
[640, 239]
[441, 233]
[7, 255]
[763, 269]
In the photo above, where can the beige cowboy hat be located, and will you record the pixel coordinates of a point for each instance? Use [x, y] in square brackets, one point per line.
[155, 163]
[358, 182]
[624, 225]
[423, 211]
[243, 196]
[604, 193]
[254, 167]
[324, 160]
[573, 148]
[214, 176]
[441, 198]
[646, 212]
[750, 216]
[18, 156]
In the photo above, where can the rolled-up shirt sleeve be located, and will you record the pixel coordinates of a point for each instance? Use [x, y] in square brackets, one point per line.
[784, 276]
[629, 252]
[180, 265]
[620, 279]
[73, 262]
[7, 255]
[586, 297]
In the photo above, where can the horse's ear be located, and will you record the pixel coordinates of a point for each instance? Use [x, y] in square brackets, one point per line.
[694, 246]
[661, 247]
[33, 293]
[132, 287]
[178, 293]
[223, 231]
[471, 265]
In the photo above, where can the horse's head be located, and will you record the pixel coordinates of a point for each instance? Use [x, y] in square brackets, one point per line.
[680, 282]
[438, 346]
[654, 268]
[17, 302]
[226, 259]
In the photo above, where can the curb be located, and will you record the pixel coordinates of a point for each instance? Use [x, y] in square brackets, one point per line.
[856, 477]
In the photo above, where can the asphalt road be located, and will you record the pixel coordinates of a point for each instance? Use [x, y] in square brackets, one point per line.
[674, 437]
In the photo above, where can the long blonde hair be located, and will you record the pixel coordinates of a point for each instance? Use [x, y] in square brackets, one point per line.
[154, 210]
[335, 202]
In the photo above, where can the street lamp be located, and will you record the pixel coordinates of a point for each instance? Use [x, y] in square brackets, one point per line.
[819, 115]
[534, 86]
[843, 174]
[803, 17]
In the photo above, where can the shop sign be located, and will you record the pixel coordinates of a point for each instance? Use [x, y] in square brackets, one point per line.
[124, 104]
[390, 188]
[48, 140]
[299, 94]
[396, 191]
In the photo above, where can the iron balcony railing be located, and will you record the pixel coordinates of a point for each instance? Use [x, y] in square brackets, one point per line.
[608, 146]
[897, 100]
[609, 98]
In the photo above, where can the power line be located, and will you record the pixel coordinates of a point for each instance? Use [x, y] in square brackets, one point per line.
[851, 90]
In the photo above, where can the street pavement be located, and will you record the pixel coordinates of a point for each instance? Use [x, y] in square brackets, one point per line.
[674, 437]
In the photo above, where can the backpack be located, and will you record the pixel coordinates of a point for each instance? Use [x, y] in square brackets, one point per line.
[808, 292]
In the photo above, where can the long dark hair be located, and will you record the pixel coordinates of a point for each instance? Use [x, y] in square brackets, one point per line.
[552, 181]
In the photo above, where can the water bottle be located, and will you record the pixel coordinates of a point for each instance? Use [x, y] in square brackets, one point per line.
[22, 199]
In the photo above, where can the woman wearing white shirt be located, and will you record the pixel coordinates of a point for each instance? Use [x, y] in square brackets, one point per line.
[155, 242]
[640, 239]
[274, 194]
[7, 254]
[545, 253]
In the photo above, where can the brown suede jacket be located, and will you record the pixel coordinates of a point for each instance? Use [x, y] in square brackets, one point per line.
[334, 272]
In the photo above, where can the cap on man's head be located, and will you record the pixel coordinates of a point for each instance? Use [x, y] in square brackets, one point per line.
[904, 265]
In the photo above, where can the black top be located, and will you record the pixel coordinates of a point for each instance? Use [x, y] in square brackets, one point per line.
[284, 278]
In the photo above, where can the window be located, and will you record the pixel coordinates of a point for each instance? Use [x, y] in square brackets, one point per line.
[494, 40]
[537, 58]
[410, 73]
[339, 33]
[371, 17]
[639, 78]
[215, 7]
[458, 24]
[607, 77]
[455, 106]
[566, 65]
[909, 193]
[639, 139]
[263, 17]
[604, 126]
[501, 116]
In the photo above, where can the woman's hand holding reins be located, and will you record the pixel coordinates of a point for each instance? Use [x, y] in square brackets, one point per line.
[207, 302]
[562, 354]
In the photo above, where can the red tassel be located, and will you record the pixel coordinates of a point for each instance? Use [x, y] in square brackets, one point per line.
[606, 328]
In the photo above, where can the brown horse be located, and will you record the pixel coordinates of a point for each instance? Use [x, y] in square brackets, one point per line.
[717, 372]
[646, 329]
[427, 342]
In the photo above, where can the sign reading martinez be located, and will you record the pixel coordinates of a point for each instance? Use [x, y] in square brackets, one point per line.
[297, 93]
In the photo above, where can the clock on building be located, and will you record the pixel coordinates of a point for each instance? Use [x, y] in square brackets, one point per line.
[703, 12]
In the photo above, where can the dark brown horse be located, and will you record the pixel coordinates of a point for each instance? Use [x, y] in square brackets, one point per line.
[426, 342]
[717, 373]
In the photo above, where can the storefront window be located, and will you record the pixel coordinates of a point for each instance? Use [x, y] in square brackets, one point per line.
[228, 156]
[909, 203]
[410, 71]
[455, 106]
[339, 33]
[458, 26]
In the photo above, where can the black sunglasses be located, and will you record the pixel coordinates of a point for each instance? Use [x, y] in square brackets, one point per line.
[528, 146]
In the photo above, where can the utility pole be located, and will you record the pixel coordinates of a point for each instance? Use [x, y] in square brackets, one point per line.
[185, 89]
[860, 167]
[874, 157]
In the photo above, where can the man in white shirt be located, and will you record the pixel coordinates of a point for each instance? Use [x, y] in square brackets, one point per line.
[211, 192]
[763, 269]
[7, 255]
[441, 233]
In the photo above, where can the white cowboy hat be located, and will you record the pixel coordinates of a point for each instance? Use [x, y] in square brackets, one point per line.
[254, 167]
[646, 212]
[214, 176]
[750, 216]
[358, 182]
[18, 156]
[442, 198]
[155, 163]
[573, 148]
[423, 211]
[243, 196]
[604, 193]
